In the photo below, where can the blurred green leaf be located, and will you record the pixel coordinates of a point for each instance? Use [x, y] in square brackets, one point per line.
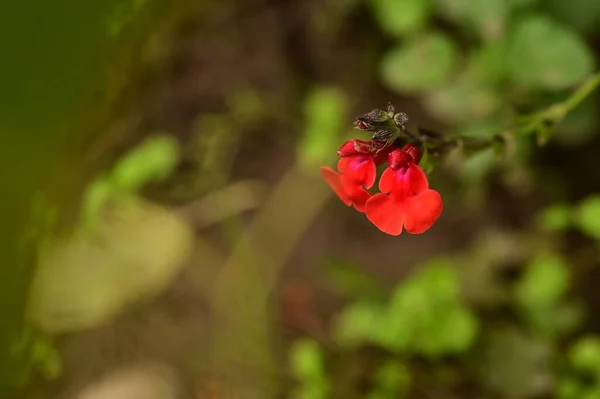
[87, 278]
[392, 379]
[555, 218]
[46, 357]
[488, 17]
[247, 107]
[587, 216]
[488, 63]
[422, 63]
[401, 17]
[325, 111]
[546, 55]
[582, 15]
[515, 365]
[584, 355]
[462, 101]
[152, 160]
[426, 315]
[544, 282]
[307, 362]
[95, 198]
[359, 323]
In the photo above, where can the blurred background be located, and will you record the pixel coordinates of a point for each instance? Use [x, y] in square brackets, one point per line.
[166, 234]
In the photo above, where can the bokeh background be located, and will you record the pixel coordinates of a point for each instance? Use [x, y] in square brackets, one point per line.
[166, 234]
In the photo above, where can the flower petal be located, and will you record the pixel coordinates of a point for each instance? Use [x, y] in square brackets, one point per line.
[334, 179]
[387, 181]
[355, 147]
[348, 191]
[414, 181]
[422, 211]
[385, 213]
[358, 170]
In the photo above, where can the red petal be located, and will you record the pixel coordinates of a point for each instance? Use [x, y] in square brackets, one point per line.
[403, 183]
[355, 147]
[359, 196]
[334, 179]
[358, 170]
[417, 214]
[387, 181]
[422, 211]
[349, 192]
[385, 213]
[414, 182]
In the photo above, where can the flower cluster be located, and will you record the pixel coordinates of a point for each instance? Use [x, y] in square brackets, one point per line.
[405, 201]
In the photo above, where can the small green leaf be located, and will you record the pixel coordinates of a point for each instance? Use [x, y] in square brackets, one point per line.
[306, 361]
[401, 17]
[546, 55]
[588, 216]
[422, 63]
[359, 323]
[584, 355]
[544, 283]
[555, 218]
[153, 160]
[393, 378]
[325, 111]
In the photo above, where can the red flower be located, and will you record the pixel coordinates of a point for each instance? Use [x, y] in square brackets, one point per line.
[357, 172]
[405, 201]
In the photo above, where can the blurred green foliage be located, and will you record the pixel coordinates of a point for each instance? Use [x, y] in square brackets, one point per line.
[433, 314]
[515, 69]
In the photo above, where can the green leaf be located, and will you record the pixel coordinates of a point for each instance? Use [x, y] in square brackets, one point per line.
[546, 55]
[555, 218]
[488, 63]
[325, 111]
[463, 101]
[425, 314]
[587, 216]
[423, 63]
[153, 160]
[487, 17]
[401, 17]
[544, 283]
[359, 323]
[306, 361]
[457, 331]
[583, 15]
[584, 355]
[86, 279]
[393, 378]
